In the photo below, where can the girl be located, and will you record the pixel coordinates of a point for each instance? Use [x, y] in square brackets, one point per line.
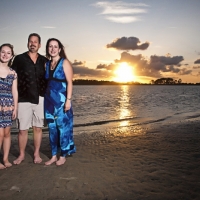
[8, 100]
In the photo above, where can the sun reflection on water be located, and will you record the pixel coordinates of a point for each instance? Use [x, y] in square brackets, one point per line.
[124, 102]
[126, 127]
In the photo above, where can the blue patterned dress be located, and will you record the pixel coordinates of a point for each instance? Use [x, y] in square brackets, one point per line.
[60, 123]
[6, 99]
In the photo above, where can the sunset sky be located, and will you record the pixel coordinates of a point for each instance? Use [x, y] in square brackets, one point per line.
[112, 40]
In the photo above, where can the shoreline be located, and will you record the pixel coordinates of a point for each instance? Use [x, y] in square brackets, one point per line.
[160, 161]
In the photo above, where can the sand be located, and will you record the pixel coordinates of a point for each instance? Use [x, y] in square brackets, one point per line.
[153, 162]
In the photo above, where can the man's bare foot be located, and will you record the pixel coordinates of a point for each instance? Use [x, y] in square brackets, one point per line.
[61, 161]
[7, 164]
[18, 160]
[2, 166]
[37, 160]
[51, 161]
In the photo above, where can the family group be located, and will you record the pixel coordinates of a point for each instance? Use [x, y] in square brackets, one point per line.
[34, 88]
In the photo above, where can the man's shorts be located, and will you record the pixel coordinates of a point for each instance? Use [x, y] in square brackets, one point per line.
[30, 114]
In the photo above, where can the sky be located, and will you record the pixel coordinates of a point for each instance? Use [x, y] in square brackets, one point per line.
[112, 40]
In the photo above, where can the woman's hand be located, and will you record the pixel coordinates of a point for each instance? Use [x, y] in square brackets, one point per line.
[14, 114]
[67, 105]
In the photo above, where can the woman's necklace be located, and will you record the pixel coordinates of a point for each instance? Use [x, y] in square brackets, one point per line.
[53, 65]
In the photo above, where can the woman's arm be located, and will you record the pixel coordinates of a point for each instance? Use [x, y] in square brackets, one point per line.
[15, 98]
[69, 77]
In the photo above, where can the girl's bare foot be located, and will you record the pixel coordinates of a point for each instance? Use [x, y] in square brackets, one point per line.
[2, 166]
[51, 161]
[7, 164]
[61, 161]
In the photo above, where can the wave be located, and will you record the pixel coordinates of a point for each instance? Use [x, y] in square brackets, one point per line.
[193, 116]
[142, 121]
[104, 122]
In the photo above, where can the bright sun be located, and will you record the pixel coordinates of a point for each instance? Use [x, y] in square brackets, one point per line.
[124, 73]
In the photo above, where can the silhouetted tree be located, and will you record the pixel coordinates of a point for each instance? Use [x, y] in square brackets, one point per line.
[164, 81]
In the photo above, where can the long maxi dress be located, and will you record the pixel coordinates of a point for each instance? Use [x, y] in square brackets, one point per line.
[60, 123]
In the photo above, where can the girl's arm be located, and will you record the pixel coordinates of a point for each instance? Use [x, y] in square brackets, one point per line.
[15, 97]
[69, 77]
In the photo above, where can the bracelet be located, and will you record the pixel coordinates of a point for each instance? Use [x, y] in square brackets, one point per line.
[69, 98]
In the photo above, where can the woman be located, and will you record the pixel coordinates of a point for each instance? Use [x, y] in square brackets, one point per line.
[57, 102]
[8, 100]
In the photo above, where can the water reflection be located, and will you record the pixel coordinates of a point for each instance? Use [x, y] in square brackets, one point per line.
[124, 104]
[127, 127]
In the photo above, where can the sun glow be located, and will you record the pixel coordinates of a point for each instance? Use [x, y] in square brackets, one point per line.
[124, 73]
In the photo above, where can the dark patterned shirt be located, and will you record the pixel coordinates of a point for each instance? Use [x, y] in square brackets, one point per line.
[31, 81]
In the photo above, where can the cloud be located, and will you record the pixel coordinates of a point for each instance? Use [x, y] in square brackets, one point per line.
[130, 43]
[122, 19]
[78, 63]
[120, 7]
[197, 61]
[155, 66]
[106, 67]
[121, 12]
[196, 67]
[184, 72]
[83, 71]
[48, 27]
[140, 64]
[166, 60]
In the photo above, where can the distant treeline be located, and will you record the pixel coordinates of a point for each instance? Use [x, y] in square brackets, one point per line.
[93, 82]
[160, 81]
[170, 81]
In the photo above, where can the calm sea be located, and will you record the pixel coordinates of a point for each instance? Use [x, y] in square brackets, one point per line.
[98, 107]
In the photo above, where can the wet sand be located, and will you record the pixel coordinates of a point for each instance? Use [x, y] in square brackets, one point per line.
[150, 162]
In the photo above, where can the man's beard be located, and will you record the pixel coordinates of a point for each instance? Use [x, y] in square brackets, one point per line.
[32, 49]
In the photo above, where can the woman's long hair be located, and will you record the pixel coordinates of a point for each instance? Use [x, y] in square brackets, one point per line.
[60, 45]
[12, 51]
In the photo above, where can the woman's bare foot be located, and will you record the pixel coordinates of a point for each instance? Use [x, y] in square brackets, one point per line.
[18, 160]
[2, 166]
[51, 161]
[61, 161]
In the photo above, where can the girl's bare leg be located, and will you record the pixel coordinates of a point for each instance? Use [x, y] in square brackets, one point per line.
[1, 141]
[6, 146]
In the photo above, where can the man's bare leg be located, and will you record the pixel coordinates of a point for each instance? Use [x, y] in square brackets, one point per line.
[37, 142]
[6, 147]
[22, 140]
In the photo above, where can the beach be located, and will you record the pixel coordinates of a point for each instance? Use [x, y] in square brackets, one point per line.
[157, 161]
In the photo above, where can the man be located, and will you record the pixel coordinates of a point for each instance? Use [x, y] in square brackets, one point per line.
[30, 68]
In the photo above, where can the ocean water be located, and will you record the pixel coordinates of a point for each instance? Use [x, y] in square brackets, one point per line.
[131, 107]
[100, 107]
